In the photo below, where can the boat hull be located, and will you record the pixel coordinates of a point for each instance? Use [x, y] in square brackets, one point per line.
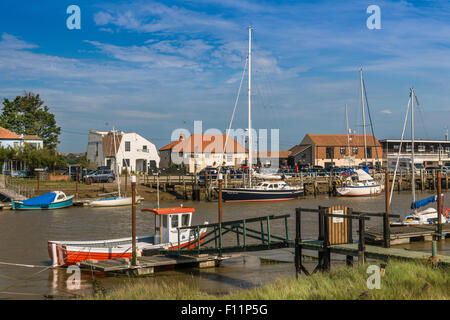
[66, 253]
[54, 205]
[359, 191]
[112, 202]
[244, 195]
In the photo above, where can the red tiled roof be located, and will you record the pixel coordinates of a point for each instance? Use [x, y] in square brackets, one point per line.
[202, 143]
[6, 134]
[341, 140]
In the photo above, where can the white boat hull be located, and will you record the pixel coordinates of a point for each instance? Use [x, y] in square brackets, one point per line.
[359, 191]
[112, 202]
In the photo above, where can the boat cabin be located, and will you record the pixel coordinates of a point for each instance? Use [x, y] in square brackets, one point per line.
[266, 185]
[167, 220]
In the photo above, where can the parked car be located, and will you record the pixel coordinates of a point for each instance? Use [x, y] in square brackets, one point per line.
[100, 176]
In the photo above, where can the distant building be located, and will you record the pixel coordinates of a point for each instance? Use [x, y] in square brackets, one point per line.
[429, 153]
[201, 150]
[273, 159]
[131, 151]
[9, 139]
[333, 150]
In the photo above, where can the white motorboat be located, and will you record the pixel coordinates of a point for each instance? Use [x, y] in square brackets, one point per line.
[424, 217]
[361, 185]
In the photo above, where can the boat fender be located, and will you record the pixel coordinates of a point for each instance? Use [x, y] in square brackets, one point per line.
[446, 212]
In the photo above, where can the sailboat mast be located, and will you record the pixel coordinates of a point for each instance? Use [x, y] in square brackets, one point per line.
[115, 161]
[348, 136]
[363, 115]
[250, 142]
[413, 184]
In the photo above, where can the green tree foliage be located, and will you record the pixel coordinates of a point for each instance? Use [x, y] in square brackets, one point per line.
[35, 158]
[27, 114]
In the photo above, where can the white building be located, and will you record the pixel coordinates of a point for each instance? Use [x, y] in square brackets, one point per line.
[131, 150]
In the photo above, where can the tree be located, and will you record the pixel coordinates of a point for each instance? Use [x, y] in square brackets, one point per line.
[27, 114]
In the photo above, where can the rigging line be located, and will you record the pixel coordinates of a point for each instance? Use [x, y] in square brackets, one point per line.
[232, 115]
[422, 121]
[370, 119]
[399, 150]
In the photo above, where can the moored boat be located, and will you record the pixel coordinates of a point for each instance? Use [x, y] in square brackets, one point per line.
[263, 191]
[361, 185]
[50, 200]
[167, 220]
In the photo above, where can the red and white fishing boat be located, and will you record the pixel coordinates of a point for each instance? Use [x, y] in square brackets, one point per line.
[167, 220]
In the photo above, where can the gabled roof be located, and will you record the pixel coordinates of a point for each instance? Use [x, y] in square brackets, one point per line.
[336, 140]
[108, 145]
[6, 134]
[203, 143]
[295, 150]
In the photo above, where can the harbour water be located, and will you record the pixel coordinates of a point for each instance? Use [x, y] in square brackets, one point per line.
[24, 236]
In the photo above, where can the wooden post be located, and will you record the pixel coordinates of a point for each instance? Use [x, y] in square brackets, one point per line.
[298, 239]
[349, 259]
[76, 182]
[439, 206]
[361, 244]
[326, 242]
[133, 219]
[386, 221]
[220, 197]
[38, 174]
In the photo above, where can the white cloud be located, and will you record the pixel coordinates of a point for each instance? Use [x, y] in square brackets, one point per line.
[386, 111]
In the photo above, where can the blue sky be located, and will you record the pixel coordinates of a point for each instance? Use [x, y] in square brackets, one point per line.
[155, 66]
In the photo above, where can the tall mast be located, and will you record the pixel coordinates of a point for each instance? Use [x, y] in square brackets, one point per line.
[115, 161]
[363, 115]
[250, 148]
[413, 185]
[348, 133]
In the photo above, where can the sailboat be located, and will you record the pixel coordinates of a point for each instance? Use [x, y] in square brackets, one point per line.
[265, 190]
[118, 200]
[417, 217]
[361, 183]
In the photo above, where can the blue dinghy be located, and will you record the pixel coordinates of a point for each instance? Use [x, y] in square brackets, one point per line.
[51, 200]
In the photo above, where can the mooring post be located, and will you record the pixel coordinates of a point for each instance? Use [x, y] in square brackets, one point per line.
[133, 219]
[361, 244]
[220, 197]
[76, 183]
[386, 222]
[298, 239]
[439, 206]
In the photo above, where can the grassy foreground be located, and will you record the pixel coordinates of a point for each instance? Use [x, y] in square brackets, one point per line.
[402, 280]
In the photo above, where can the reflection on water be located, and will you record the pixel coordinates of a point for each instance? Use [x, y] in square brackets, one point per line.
[24, 236]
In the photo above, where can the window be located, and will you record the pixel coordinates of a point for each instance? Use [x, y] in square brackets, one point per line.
[447, 149]
[144, 148]
[61, 196]
[270, 186]
[329, 153]
[127, 146]
[125, 162]
[408, 148]
[431, 148]
[369, 152]
[164, 219]
[396, 147]
[355, 150]
[174, 219]
[185, 220]
[421, 148]
[343, 150]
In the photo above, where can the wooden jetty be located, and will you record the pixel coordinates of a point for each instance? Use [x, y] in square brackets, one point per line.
[149, 264]
[406, 234]
[335, 236]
